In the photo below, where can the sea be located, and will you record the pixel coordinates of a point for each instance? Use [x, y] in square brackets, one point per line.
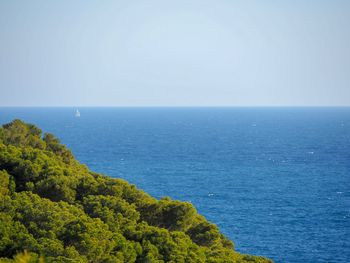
[275, 180]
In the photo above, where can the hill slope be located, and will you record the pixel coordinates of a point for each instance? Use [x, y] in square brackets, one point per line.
[53, 206]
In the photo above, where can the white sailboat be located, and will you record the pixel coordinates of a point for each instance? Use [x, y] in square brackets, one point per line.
[77, 114]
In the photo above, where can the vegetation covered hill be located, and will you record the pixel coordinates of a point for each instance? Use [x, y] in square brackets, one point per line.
[59, 211]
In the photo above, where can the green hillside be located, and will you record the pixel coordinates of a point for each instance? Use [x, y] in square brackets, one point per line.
[54, 209]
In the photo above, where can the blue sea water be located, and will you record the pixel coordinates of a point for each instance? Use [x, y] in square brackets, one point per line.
[275, 180]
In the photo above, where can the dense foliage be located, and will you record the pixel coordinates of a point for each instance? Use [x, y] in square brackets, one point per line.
[59, 211]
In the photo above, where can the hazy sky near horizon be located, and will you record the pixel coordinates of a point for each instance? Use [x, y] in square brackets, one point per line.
[175, 53]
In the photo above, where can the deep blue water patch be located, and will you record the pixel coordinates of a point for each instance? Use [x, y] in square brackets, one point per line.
[275, 180]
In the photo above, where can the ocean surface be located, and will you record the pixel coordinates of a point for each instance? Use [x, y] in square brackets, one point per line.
[275, 180]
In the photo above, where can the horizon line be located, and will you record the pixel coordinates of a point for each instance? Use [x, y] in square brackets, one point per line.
[186, 106]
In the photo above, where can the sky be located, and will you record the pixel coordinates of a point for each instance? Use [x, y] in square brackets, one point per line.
[175, 53]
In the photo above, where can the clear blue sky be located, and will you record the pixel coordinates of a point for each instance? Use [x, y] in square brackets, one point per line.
[175, 53]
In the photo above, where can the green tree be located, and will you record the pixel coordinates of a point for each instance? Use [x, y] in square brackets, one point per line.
[54, 207]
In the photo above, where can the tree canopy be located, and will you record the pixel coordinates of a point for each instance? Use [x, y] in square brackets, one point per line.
[54, 209]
